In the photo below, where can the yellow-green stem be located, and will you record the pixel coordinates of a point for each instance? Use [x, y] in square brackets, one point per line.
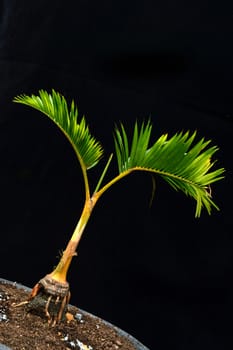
[113, 181]
[60, 272]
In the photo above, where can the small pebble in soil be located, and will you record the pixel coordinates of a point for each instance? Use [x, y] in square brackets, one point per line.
[79, 317]
[76, 344]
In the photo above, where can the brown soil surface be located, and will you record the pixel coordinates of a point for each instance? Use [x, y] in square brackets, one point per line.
[22, 330]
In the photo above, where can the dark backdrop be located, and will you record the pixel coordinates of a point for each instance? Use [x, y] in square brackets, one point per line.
[156, 272]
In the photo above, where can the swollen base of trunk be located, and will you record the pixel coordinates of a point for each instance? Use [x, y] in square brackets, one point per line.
[49, 299]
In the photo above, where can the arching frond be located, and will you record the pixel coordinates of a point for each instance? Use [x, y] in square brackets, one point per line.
[184, 165]
[54, 105]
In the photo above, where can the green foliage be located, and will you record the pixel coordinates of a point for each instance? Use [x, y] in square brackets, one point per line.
[183, 164]
[54, 105]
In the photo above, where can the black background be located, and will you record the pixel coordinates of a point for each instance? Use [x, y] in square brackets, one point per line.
[158, 273]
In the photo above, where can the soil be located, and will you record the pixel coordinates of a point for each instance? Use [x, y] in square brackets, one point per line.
[23, 330]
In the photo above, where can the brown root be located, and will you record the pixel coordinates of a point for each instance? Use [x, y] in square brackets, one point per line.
[49, 299]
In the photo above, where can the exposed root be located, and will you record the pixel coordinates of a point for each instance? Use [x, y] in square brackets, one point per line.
[20, 304]
[49, 298]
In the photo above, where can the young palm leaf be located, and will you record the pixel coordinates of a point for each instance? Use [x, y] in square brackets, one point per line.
[183, 164]
[54, 105]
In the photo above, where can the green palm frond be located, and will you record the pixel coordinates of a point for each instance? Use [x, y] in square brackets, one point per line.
[183, 164]
[54, 105]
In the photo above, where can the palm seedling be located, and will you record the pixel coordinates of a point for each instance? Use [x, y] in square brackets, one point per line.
[182, 162]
